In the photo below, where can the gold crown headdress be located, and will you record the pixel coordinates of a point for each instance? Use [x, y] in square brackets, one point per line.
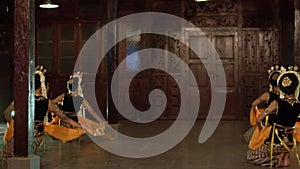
[286, 82]
[81, 112]
[41, 72]
[70, 81]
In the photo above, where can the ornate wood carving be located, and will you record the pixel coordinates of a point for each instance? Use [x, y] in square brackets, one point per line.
[212, 13]
[249, 51]
[267, 51]
[260, 51]
[206, 21]
[160, 42]
[221, 6]
[174, 46]
[170, 44]
[166, 81]
[249, 92]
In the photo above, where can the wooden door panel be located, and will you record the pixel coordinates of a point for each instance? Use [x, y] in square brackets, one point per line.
[230, 75]
[225, 45]
[199, 43]
[200, 74]
[266, 50]
[203, 84]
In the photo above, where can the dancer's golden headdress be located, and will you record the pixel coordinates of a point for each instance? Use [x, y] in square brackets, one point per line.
[274, 73]
[288, 81]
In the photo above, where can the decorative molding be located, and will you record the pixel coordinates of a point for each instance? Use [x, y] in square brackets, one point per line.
[206, 21]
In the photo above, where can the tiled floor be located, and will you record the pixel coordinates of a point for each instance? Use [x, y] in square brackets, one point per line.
[225, 149]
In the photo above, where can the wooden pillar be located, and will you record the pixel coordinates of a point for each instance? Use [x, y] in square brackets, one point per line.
[112, 114]
[23, 90]
[297, 32]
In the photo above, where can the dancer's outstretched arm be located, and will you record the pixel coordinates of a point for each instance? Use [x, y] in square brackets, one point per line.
[55, 109]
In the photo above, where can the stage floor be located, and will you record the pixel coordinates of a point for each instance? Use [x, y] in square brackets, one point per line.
[225, 149]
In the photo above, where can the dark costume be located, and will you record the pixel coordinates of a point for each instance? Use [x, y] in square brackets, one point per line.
[71, 105]
[274, 73]
[61, 130]
[279, 139]
[41, 109]
[281, 132]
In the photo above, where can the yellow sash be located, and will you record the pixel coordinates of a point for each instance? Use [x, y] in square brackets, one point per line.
[9, 132]
[63, 133]
[254, 113]
[259, 136]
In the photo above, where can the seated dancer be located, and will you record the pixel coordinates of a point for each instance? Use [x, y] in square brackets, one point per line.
[72, 103]
[8, 114]
[263, 100]
[276, 147]
[42, 106]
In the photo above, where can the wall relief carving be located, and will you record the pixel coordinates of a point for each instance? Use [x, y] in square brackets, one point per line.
[212, 13]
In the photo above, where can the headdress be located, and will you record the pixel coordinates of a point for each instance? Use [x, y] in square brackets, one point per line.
[274, 73]
[70, 83]
[41, 71]
[288, 81]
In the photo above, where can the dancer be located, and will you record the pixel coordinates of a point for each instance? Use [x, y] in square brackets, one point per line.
[263, 101]
[42, 106]
[275, 149]
[74, 103]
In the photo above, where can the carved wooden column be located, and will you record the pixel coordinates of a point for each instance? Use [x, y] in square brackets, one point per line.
[24, 53]
[297, 32]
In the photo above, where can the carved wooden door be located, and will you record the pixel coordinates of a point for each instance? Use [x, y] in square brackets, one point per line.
[225, 43]
[260, 52]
